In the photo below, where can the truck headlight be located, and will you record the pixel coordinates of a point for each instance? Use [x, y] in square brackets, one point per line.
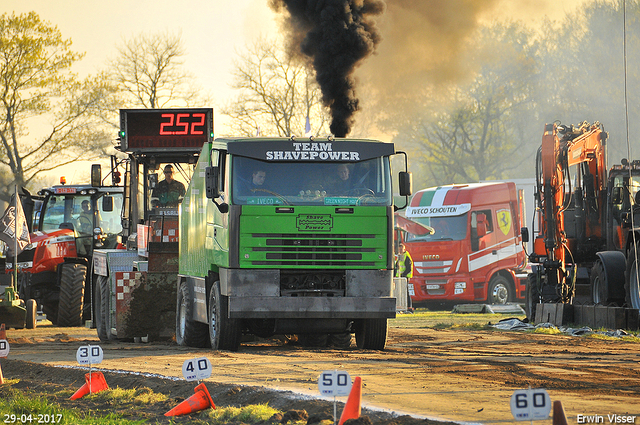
[460, 285]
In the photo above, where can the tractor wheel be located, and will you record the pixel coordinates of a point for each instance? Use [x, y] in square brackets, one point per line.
[632, 284]
[224, 333]
[372, 334]
[72, 278]
[32, 313]
[500, 290]
[188, 331]
[531, 297]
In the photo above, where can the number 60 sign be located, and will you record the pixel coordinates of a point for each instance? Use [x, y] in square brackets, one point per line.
[530, 405]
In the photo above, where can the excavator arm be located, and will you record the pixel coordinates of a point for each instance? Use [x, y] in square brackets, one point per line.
[563, 147]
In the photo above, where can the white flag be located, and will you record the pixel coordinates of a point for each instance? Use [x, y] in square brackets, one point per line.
[307, 127]
[8, 226]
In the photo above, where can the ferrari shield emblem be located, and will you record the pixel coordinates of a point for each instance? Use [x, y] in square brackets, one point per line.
[504, 221]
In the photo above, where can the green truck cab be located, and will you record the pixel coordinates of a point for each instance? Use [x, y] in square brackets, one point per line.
[286, 236]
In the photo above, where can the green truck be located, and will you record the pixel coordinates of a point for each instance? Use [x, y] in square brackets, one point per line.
[284, 236]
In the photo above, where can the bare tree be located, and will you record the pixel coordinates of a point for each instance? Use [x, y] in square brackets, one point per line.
[475, 136]
[149, 68]
[277, 92]
[37, 85]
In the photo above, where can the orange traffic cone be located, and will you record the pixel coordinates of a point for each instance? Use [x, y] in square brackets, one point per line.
[559, 417]
[352, 408]
[199, 401]
[94, 383]
[1, 377]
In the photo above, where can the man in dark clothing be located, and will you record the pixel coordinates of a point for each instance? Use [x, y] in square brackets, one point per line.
[169, 191]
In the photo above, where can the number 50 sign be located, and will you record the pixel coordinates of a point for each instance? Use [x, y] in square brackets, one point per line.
[334, 383]
[530, 405]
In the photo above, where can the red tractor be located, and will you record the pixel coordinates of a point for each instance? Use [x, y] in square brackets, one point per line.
[72, 221]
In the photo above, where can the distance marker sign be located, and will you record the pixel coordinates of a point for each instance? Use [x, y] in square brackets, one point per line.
[334, 383]
[530, 405]
[89, 354]
[196, 369]
[4, 348]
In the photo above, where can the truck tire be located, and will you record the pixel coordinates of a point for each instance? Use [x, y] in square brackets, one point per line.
[188, 331]
[632, 285]
[32, 313]
[372, 334]
[531, 297]
[341, 340]
[314, 340]
[72, 278]
[101, 306]
[500, 290]
[224, 333]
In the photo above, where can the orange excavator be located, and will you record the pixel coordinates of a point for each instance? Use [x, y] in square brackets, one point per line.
[585, 217]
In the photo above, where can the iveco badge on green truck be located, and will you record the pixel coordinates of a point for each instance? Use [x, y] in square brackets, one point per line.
[281, 236]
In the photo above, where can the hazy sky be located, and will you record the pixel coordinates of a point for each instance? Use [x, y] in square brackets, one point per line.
[212, 30]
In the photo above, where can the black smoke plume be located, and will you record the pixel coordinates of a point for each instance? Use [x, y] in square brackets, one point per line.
[337, 35]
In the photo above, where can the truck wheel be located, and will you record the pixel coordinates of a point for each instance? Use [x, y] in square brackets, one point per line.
[224, 333]
[531, 297]
[499, 291]
[341, 340]
[314, 340]
[101, 306]
[32, 313]
[72, 277]
[372, 334]
[632, 285]
[188, 331]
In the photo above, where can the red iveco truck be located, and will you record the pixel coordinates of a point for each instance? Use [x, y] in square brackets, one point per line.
[468, 247]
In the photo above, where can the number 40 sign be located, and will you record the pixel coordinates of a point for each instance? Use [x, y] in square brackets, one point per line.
[530, 405]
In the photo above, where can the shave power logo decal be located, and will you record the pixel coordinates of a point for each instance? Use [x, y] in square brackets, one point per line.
[314, 222]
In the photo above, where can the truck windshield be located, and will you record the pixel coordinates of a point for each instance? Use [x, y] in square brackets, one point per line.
[76, 212]
[311, 183]
[453, 228]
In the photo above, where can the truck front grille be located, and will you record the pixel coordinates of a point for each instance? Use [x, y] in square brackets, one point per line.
[341, 250]
[311, 283]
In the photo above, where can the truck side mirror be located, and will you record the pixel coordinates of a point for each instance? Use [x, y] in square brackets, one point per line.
[211, 182]
[404, 183]
[107, 203]
[481, 228]
[616, 195]
[96, 175]
[525, 234]
[153, 180]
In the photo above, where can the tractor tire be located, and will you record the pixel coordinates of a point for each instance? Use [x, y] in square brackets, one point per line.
[188, 331]
[372, 334]
[341, 340]
[72, 279]
[500, 290]
[101, 306]
[224, 333]
[531, 297]
[32, 314]
[51, 311]
[632, 284]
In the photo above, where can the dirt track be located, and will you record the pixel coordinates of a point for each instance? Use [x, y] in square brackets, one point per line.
[444, 374]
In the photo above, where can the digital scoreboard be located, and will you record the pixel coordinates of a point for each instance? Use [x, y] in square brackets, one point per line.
[160, 129]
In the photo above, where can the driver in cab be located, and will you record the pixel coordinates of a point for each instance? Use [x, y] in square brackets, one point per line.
[341, 184]
[169, 191]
